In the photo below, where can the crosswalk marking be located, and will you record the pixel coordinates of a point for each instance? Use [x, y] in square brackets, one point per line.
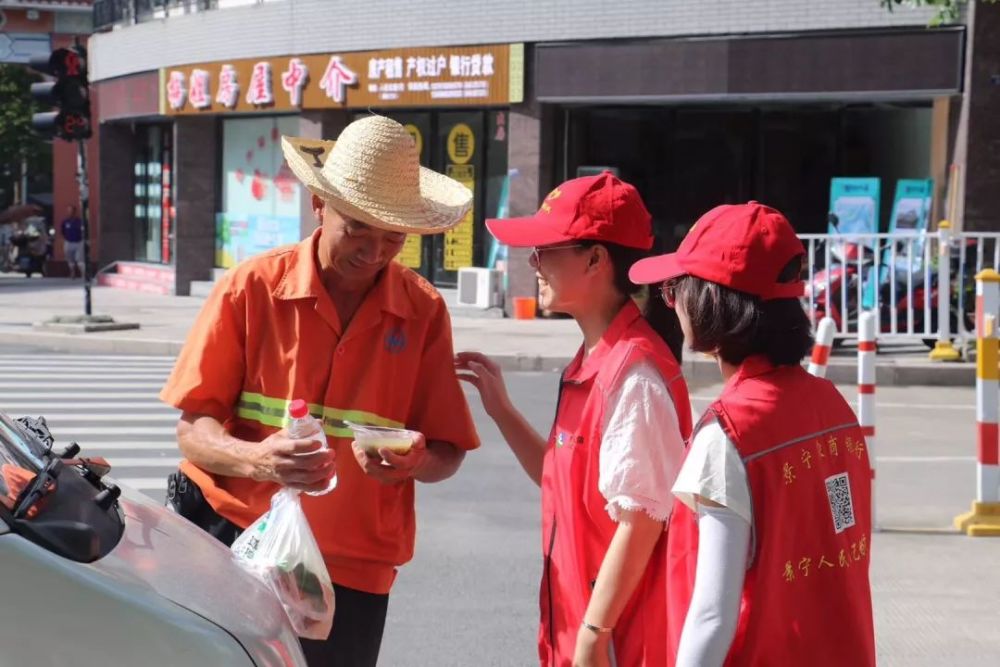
[12, 406]
[83, 384]
[79, 417]
[145, 462]
[65, 429]
[98, 448]
[108, 404]
[53, 398]
[153, 360]
[146, 484]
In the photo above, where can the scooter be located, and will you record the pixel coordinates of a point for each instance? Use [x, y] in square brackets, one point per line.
[31, 250]
[847, 271]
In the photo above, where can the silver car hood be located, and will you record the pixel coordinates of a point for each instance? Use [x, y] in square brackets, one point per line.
[180, 562]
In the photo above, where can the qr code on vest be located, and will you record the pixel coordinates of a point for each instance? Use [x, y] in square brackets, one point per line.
[838, 490]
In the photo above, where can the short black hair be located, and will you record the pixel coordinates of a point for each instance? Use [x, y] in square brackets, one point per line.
[736, 325]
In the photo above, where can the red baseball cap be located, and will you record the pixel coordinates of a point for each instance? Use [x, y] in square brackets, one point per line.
[592, 208]
[744, 247]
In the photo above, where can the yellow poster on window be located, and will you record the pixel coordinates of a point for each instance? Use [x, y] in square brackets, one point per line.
[411, 253]
[458, 241]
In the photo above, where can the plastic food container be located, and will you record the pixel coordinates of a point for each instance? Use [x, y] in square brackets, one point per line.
[374, 438]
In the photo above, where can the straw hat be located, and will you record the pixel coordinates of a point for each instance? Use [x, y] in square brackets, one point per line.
[372, 173]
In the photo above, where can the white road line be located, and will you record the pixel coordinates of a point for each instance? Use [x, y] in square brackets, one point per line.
[156, 386]
[44, 378]
[65, 432]
[72, 396]
[47, 407]
[925, 459]
[68, 359]
[88, 448]
[81, 368]
[143, 462]
[86, 357]
[144, 483]
[63, 373]
[56, 417]
[879, 404]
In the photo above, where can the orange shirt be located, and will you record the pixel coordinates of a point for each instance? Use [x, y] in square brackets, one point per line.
[270, 333]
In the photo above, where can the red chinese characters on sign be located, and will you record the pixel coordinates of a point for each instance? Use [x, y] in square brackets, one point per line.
[260, 92]
[294, 79]
[229, 87]
[176, 90]
[501, 133]
[336, 78]
[199, 92]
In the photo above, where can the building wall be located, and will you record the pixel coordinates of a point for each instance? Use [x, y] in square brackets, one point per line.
[313, 26]
[982, 196]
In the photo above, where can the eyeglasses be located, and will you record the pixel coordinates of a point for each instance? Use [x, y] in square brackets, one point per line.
[668, 292]
[535, 258]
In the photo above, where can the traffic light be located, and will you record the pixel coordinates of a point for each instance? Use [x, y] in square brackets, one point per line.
[69, 93]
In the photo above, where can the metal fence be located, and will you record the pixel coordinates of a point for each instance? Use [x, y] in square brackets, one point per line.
[898, 277]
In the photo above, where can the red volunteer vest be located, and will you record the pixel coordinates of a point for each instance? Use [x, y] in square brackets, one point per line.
[576, 528]
[806, 595]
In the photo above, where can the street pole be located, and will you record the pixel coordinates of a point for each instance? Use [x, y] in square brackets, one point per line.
[81, 176]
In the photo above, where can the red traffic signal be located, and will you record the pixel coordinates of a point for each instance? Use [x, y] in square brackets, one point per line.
[69, 63]
[66, 125]
[69, 93]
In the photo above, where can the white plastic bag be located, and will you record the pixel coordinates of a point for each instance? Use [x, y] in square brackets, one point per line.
[279, 548]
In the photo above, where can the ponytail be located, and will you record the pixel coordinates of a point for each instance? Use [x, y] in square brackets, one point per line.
[664, 321]
[661, 319]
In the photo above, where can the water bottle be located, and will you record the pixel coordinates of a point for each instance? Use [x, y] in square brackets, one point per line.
[306, 427]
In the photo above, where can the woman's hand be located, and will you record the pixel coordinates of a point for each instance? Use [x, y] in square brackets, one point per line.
[482, 373]
[592, 649]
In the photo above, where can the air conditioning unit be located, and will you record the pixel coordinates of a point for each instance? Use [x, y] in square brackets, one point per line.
[480, 288]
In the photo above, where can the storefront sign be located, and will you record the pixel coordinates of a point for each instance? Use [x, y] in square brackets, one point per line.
[854, 205]
[458, 241]
[461, 144]
[420, 77]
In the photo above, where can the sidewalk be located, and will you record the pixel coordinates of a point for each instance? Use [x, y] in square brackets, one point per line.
[535, 345]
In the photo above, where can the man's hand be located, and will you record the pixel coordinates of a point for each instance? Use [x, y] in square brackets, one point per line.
[389, 467]
[592, 649]
[298, 464]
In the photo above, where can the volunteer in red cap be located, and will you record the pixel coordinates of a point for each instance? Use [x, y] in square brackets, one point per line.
[770, 539]
[618, 437]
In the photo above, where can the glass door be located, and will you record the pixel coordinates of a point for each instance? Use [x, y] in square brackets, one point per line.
[152, 238]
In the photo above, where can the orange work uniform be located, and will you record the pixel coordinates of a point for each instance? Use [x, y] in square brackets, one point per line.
[270, 333]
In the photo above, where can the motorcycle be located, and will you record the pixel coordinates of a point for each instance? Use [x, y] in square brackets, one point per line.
[31, 249]
[834, 290]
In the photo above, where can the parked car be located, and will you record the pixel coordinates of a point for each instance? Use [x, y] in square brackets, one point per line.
[93, 573]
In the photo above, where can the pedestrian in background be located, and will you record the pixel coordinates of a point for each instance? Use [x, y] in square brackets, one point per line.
[618, 437]
[72, 232]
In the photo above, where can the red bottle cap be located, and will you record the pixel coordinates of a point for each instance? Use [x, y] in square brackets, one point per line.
[298, 409]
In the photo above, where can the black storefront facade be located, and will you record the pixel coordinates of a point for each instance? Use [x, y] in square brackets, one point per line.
[699, 122]
[696, 122]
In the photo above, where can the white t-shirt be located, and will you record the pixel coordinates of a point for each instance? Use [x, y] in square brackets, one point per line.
[713, 469]
[641, 447]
